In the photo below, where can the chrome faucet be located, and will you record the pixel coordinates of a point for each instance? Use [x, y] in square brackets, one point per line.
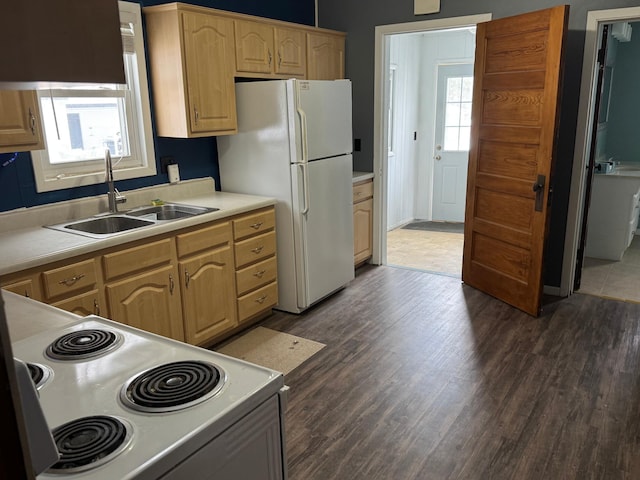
[113, 195]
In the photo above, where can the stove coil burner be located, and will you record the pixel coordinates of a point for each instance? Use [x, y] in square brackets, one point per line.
[89, 442]
[40, 374]
[172, 386]
[83, 344]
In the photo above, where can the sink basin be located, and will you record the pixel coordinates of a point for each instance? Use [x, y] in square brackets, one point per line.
[106, 225]
[169, 211]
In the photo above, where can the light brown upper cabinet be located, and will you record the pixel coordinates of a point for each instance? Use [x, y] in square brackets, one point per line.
[20, 127]
[325, 56]
[262, 48]
[192, 64]
[196, 52]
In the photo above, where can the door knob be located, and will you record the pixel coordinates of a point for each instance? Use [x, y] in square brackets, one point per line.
[437, 157]
[538, 188]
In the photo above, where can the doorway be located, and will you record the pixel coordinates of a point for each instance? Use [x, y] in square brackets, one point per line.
[421, 149]
[602, 268]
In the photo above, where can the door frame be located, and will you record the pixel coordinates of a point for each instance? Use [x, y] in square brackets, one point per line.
[595, 20]
[380, 123]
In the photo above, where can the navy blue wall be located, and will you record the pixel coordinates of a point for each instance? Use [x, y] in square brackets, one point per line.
[197, 157]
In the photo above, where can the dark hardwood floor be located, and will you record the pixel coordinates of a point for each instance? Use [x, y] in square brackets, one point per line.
[425, 378]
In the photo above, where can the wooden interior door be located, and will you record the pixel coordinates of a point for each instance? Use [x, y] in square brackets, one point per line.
[517, 75]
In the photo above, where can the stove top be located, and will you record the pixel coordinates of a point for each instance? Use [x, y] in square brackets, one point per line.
[164, 398]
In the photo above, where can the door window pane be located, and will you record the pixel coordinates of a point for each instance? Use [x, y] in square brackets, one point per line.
[458, 113]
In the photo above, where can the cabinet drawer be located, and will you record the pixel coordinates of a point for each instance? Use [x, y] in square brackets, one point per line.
[362, 191]
[69, 279]
[253, 224]
[137, 258]
[256, 275]
[255, 248]
[204, 238]
[258, 301]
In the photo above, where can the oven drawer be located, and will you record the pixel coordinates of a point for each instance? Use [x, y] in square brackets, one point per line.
[255, 248]
[257, 301]
[253, 224]
[251, 448]
[256, 275]
[69, 279]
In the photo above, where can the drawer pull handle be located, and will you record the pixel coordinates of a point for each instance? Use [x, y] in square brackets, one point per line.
[260, 273]
[70, 281]
[96, 307]
[256, 225]
[261, 299]
[187, 278]
[171, 284]
[358, 194]
[257, 250]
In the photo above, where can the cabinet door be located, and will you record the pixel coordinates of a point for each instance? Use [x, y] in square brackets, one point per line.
[20, 128]
[291, 53]
[254, 47]
[208, 295]
[209, 63]
[27, 287]
[325, 56]
[89, 303]
[149, 301]
[362, 230]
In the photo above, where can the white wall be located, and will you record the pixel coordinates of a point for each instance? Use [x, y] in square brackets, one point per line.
[404, 55]
[417, 57]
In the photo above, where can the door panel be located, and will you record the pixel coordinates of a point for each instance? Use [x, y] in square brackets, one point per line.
[514, 122]
[451, 156]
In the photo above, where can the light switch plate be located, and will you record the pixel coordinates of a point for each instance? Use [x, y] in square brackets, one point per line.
[420, 7]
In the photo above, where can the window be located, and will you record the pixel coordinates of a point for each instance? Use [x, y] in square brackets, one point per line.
[81, 122]
[457, 126]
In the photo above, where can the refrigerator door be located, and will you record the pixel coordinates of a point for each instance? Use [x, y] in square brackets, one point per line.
[324, 234]
[323, 124]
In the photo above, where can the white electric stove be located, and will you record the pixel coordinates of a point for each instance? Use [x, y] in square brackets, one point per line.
[122, 403]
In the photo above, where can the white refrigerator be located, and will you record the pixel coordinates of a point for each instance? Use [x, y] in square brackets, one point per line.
[294, 143]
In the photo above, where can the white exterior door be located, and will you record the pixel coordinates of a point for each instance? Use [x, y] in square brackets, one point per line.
[452, 129]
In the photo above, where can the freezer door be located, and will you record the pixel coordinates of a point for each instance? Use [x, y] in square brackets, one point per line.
[324, 234]
[324, 117]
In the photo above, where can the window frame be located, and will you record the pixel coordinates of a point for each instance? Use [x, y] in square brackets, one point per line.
[142, 160]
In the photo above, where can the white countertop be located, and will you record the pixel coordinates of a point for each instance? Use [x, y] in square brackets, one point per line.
[360, 176]
[26, 244]
[26, 317]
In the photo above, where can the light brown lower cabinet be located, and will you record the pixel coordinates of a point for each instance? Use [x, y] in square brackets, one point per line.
[149, 301]
[181, 285]
[208, 295]
[362, 221]
[27, 287]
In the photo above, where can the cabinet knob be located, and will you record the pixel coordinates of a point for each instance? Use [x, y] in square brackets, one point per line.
[261, 299]
[259, 274]
[257, 250]
[256, 225]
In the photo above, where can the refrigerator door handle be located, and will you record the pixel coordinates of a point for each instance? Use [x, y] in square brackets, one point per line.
[303, 124]
[305, 186]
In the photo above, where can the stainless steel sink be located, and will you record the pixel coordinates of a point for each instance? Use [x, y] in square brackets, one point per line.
[103, 226]
[170, 211]
[106, 225]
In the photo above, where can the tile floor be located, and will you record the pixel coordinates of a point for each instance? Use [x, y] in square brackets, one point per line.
[610, 279]
[440, 252]
[436, 252]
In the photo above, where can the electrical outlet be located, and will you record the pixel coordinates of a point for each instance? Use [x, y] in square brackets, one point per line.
[164, 161]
